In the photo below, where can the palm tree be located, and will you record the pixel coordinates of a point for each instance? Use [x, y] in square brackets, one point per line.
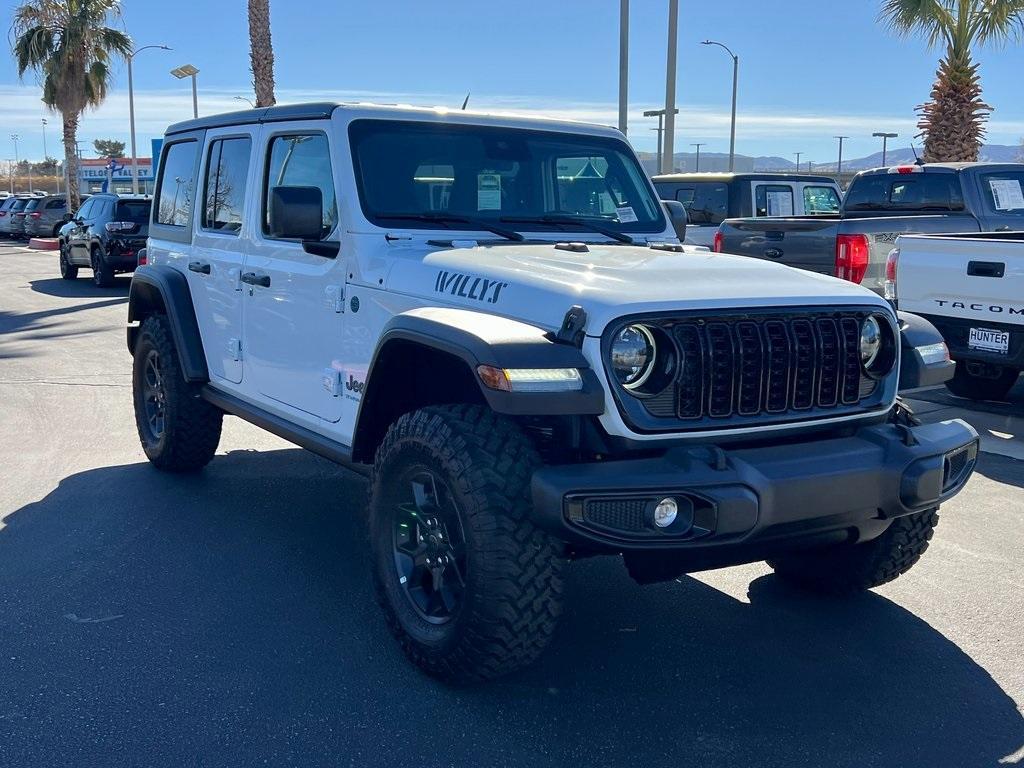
[953, 121]
[261, 52]
[71, 48]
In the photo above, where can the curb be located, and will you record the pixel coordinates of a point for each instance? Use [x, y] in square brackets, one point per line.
[43, 244]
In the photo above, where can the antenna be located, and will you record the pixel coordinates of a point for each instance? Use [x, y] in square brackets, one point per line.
[465, 101]
[917, 160]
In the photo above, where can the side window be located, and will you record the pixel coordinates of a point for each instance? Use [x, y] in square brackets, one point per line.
[820, 200]
[54, 205]
[301, 160]
[176, 187]
[224, 190]
[1004, 192]
[86, 210]
[705, 203]
[773, 200]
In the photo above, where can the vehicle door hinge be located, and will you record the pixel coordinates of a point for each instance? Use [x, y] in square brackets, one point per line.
[334, 298]
[331, 380]
[235, 349]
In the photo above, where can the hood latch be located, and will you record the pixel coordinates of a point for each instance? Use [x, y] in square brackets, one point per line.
[573, 324]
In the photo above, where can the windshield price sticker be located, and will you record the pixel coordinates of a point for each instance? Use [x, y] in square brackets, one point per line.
[626, 214]
[488, 192]
[780, 203]
[1007, 194]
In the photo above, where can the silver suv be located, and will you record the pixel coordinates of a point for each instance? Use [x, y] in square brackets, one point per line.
[45, 215]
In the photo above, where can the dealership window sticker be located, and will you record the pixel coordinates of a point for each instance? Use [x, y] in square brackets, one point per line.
[488, 192]
[1007, 194]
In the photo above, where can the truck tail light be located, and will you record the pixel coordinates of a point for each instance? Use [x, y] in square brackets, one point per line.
[35, 215]
[891, 264]
[719, 242]
[852, 253]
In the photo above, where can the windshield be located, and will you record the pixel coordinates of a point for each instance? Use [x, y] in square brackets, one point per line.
[135, 211]
[32, 204]
[19, 204]
[921, 191]
[428, 176]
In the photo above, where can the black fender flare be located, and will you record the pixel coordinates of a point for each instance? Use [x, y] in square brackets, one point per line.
[915, 372]
[164, 290]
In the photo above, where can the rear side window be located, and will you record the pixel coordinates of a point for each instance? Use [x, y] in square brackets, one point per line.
[773, 200]
[1004, 192]
[921, 191]
[224, 189]
[705, 203]
[177, 187]
[820, 200]
[135, 211]
[301, 160]
[55, 205]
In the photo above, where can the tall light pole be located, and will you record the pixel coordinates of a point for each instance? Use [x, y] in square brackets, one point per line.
[14, 138]
[839, 165]
[798, 156]
[46, 155]
[131, 113]
[667, 158]
[623, 64]
[660, 114]
[735, 86]
[187, 70]
[697, 164]
[885, 142]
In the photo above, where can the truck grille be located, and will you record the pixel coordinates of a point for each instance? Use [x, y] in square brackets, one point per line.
[767, 367]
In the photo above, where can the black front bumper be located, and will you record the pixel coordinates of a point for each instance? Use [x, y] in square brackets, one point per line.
[742, 505]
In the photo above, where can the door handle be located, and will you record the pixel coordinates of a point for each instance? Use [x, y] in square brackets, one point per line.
[254, 279]
[199, 266]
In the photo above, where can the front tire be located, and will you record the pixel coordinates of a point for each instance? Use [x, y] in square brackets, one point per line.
[469, 586]
[975, 386]
[851, 568]
[178, 429]
[68, 271]
[102, 273]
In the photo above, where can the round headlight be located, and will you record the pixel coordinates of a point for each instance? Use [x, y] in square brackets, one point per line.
[632, 355]
[870, 342]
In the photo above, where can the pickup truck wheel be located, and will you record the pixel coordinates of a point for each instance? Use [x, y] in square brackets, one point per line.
[102, 274]
[178, 429]
[858, 567]
[469, 586]
[67, 270]
[975, 386]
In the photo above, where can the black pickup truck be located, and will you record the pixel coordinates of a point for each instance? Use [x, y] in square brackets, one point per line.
[879, 206]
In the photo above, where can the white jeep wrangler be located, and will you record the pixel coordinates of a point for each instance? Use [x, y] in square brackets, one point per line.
[495, 317]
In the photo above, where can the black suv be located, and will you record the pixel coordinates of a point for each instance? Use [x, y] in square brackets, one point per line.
[105, 235]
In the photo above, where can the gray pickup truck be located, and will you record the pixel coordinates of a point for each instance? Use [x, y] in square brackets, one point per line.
[881, 205]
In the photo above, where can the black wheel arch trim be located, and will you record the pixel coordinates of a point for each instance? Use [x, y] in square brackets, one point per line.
[161, 288]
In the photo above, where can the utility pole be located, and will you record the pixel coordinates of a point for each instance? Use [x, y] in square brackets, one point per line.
[798, 155]
[667, 159]
[698, 146]
[660, 114]
[839, 165]
[623, 64]
[885, 141]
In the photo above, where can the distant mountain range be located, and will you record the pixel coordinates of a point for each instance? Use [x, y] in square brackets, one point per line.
[719, 161]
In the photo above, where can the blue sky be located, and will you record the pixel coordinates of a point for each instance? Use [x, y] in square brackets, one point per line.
[809, 70]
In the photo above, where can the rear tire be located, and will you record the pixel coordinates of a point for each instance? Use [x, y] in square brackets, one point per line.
[852, 568]
[453, 481]
[178, 429]
[977, 387]
[68, 271]
[102, 274]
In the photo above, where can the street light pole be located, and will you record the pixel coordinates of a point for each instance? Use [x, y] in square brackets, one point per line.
[187, 70]
[735, 88]
[131, 114]
[885, 141]
[623, 64]
[798, 155]
[667, 159]
[698, 146]
[660, 114]
[839, 165]
[14, 138]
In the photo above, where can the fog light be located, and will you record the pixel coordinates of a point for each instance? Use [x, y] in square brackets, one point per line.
[665, 513]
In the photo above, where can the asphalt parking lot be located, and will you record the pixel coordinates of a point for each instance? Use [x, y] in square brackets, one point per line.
[228, 619]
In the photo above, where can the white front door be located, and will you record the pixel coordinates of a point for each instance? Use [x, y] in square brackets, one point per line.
[293, 313]
[222, 235]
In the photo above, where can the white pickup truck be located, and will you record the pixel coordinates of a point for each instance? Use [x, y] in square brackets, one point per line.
[971, 288]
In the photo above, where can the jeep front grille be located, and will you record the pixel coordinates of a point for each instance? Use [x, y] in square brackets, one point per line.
[763, 367]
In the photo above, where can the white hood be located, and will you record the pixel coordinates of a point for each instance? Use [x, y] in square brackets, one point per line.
[537, 283]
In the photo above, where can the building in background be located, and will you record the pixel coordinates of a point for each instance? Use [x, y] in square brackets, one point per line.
[94, 173]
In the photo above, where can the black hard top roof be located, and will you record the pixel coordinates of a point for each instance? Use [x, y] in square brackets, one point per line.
[314, 111]
[747, 176]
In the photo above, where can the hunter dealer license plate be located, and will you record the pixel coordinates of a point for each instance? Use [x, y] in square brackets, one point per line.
[989, 340]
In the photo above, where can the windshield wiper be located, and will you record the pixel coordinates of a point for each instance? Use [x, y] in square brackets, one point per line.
[451, 218]
[573, 221]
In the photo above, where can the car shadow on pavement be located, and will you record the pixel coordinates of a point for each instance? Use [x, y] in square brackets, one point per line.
[82, 288]
[1002, 469]
[147, 618]
[15, 322]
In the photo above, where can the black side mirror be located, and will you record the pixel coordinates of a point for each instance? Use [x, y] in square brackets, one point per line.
[677, 215]
[296, 213]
